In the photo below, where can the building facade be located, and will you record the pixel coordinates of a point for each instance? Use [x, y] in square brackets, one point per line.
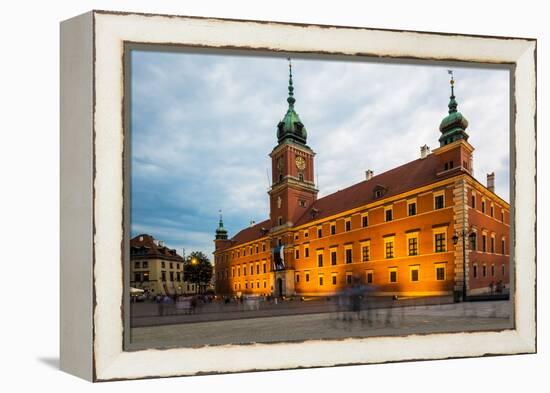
[427, 227]
[157, 269]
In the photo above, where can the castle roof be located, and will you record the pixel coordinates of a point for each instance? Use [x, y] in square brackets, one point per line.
[145, 246]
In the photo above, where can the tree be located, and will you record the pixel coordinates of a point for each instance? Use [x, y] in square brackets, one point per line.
[197, 269]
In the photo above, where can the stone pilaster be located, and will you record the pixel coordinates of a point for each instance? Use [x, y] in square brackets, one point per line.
[461, 226]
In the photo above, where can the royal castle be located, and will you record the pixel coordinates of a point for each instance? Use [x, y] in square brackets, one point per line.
[427, 227]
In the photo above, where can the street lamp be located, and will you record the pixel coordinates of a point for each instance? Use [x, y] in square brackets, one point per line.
[456, 237]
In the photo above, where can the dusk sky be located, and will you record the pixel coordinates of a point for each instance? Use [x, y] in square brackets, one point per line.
[203, 126]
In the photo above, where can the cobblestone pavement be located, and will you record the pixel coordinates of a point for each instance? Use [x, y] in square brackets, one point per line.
[490, 315]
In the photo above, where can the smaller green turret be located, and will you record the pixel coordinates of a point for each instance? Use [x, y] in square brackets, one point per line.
[453, 126]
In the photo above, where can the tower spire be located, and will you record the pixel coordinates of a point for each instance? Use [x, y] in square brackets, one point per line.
[452, 103]
[221, 232]
[291, 100]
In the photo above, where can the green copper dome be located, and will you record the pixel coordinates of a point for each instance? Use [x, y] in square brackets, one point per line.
[453, 126]
[291, 127]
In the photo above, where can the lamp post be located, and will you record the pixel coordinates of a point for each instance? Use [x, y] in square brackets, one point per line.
[456, 237]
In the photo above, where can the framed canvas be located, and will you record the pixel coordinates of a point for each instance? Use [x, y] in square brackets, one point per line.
[175, 262]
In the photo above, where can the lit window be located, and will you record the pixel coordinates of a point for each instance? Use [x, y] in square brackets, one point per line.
[440, 242]
[413, 245]
[389, 248]
[365, 252]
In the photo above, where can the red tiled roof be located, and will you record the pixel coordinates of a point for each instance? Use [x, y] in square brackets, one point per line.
[403, 178]
[251, 233]
[144, 246]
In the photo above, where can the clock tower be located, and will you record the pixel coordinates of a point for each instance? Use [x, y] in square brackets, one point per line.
[293, 188]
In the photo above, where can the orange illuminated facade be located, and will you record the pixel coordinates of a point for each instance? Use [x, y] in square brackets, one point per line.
[423, 228]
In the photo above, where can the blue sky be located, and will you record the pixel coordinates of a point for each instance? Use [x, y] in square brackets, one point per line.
[203, 126]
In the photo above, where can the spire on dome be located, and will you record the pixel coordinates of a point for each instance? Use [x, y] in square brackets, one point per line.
[221, 232]
[453, 126]
[291, 127]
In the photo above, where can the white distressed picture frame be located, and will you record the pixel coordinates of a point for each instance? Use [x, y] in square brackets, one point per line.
[92, 202]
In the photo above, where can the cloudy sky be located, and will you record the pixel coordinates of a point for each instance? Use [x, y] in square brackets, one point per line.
[203, 126]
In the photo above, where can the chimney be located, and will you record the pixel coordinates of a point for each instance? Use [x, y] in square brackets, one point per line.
[369, 174]
[252, 223]
[491, 181]
[424, 151]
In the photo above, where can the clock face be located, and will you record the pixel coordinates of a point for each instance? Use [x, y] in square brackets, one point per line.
[300, 163]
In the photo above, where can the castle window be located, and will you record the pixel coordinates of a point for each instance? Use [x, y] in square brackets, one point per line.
[473, 201]
[413, 245]
[307, 276]
[440, 272]
[301, 176]
[302, 203]
[414, 273]
[388, 214]
[332, 229]
[306, 251]
[483, 206]
[388, 245]
[365, 252]
[334, 279]
[393, 274]
[280, 220]
[349, 254]
[411, 207]
[320, 232]
[439, 201]
[333, 257]
[475, 270]
[297, 254]
[369, 277]
[439, 242]
[137, 264]
[365, 221]
[320, 258]
[348, 225]
[297, 277]
[320, 280]
[348, 278]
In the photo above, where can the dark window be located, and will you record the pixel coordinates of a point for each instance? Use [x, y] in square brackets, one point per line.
[348, 279]
[178, 276]
[264, 266]
[440, 273]
[307, 277]
[369, 278]
[475, 271]
[137, 276]
[412, 209]
[320, 260]
[306, 252]
[297, 278]
[365, 222]
[258, 269]
[265, 284]
[474, 201]
[413, 246]
[171, 276]
[502, 216]
[389, 215]
[320, 280]
[483, 206]
[256, 248]
[348, 255]
[439, 202]
[239, 271]
[492, 244]
[333, 280]
[251, 269]
[171, 265]
[137, 265]
[484, 243]
[263, 247]
[393, 276]
[297, 254]
[440, 242]
[365, 253]
[389, 249]
[145, 264]
[378, 193]
[348, 225]
[503, 248]
[492, 211]
[446, 165]
[301, 176]
[493, 270]
[162, 265]
[146, 276]
[333, 257]
[484, 271]
[163, 275]
[306, 233]
[332, 229]
[319, 232]
[502, 269]
[414, 275]
[302, 203]
[280, 220]
[473, 241]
